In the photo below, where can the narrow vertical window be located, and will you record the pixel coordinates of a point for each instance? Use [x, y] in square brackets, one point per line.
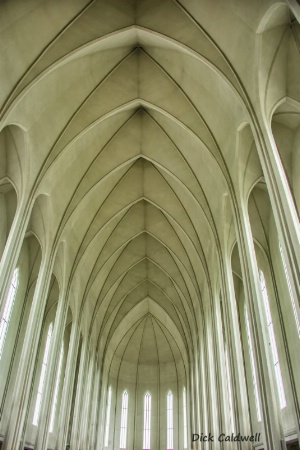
[170, 421]
[290, 291]
[9, 304]
[147, 421]
[184, 420]
[254, 378]
[124, 415]
[42, 377]
[57, 384]
[272, 341]
[108, 405]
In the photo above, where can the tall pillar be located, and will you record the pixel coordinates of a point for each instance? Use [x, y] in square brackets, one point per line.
[85, 422]
[65, 407]
[253, 296]
[28, 356]
[79, 395]
[95, 407]
[47, 399]
[283, 206]
[231, 318]
[215, 423]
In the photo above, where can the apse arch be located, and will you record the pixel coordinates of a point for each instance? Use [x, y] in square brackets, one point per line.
[125, 369]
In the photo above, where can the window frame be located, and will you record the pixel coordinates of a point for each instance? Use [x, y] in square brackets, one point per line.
[147, 421]
[170, 420]
[124, 419]
[272, 341]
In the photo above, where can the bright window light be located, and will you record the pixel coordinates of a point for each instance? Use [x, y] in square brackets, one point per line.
[147, 421]
[42, 377]
[124, 415]
[170, 421]
[9, 304]
[107, 417]
[290, 291]
[254, 378]
[57, 383]
[272, 342]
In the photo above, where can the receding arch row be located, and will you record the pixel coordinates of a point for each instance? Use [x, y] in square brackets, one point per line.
[112, 261]
[135, 105]
[102, 309]
[76, 278]
[132, 238]
[135, 316]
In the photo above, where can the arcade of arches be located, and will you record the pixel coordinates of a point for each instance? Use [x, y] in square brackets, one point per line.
[149, 224]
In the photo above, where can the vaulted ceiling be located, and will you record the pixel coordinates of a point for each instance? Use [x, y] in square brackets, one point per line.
[130, 111]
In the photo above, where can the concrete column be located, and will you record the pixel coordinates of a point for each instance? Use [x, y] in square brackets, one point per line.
[283, 206]
[79, 395]
[12, 250]
[95, 408]
[253, 296]
[50, 380]
[65, 407]
[86, 416]
[202, 392]
[28, 356]
[212, 380]
[102, 411]
[231, 317]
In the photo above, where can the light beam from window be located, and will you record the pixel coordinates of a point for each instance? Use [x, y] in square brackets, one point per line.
[272, 339]
[170, 421]
[184, 420]
[124, 415]
[147, 421]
